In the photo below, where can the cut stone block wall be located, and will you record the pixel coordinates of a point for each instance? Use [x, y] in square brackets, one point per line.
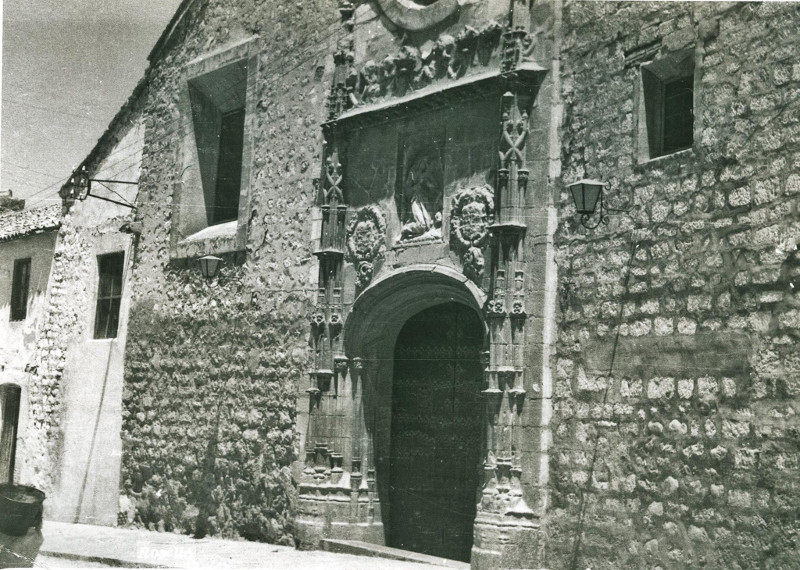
[675, 432]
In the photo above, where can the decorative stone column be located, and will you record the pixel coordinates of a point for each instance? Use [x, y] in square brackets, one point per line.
[342, 95]
[506, 532]
[337, 497]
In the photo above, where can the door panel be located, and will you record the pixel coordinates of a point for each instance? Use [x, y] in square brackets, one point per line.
[436, 432]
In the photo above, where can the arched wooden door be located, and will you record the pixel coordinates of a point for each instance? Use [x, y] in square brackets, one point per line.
[436, 432]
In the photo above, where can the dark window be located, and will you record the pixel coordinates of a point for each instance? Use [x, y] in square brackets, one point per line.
[19, 289]
[9, 409]
[678, 114]
[229, 171]
[109, 295]
[218, 112]
[669, 104]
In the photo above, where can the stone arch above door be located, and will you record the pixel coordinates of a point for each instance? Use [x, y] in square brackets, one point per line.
[382, 308]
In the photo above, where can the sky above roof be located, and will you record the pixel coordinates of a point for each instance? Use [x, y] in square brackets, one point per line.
[68, 67]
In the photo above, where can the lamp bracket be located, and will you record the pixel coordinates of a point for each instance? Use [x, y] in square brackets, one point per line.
[84, 179]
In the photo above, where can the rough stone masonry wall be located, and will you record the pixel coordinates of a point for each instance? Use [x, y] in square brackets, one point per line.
[675, 431]
[69, 308]
[71, 448]
[212, 366]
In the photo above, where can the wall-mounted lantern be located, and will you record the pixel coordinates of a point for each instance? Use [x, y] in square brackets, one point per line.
[79, 187]
[209, 265]
[586, 194]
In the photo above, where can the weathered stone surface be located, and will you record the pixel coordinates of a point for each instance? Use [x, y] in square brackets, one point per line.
[212, 368]
[707, 229]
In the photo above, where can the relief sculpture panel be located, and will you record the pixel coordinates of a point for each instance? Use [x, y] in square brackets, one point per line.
[471, 215]
[419, 201]
[366, 236]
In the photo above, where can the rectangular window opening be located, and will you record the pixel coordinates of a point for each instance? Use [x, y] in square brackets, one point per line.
[218, 102]
[668, 99]
[109, 294]
[229, 170]
[678, 114]
[19, 289]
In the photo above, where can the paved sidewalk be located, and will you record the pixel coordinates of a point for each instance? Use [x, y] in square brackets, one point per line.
[107, 546]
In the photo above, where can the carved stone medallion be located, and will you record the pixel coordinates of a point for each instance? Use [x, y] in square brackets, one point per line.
[366, 241]
[471, 215]
[417, 15]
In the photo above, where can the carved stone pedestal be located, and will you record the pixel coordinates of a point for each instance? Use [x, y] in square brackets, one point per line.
[504, 541]
[334, 503]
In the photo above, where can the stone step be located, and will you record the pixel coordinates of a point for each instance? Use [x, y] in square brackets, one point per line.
[379, 551]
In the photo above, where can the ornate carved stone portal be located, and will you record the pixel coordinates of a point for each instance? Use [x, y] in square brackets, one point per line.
[370, 409]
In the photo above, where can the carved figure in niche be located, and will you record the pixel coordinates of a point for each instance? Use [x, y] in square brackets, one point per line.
[405, 66]
[421, 195]
[345, 77]
[427, 73]
[366, 242]
[488, 39]
[369, 82]
[469, 227]
[437, 58]
[444, 52]
[388, 70]
[466, 42]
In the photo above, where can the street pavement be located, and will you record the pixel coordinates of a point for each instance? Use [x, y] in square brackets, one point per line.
[87, 546]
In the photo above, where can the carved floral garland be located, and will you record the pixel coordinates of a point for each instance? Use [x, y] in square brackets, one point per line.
[413, 68]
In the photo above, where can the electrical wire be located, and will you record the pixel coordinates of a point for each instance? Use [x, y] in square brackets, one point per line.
[178, 121]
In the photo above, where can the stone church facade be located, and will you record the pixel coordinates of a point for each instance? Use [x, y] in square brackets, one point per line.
[413, 338]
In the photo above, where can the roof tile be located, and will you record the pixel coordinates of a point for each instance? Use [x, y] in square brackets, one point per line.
[15, 225]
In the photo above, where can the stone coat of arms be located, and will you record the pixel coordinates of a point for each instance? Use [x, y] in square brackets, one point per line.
[470, 217]
[366, 242]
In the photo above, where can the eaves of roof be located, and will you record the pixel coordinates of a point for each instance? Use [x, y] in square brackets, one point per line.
[15, 225]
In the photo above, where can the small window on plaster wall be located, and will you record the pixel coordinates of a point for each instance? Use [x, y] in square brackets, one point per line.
[666, 106]
[109, 294]
[19, 289]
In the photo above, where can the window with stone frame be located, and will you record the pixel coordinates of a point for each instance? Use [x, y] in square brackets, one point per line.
[19, 289]
[109, 294]
[217, 100]
[217, 106]
[667, 105]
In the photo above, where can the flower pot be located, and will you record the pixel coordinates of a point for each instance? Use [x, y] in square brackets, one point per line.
[20, 525]
[20, 508]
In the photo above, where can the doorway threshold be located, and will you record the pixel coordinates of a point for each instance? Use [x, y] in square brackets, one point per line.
[368, 549]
